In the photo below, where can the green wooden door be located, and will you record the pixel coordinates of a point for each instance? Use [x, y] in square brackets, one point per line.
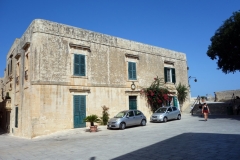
[79, 107]
[175, 103]
[132, 102]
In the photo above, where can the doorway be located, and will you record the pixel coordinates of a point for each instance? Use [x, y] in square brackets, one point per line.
[79, 111]
[132, 102]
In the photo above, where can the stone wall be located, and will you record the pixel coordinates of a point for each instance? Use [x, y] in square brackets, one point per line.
[222, 96]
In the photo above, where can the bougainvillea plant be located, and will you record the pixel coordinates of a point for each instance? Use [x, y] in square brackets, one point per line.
[157, 94]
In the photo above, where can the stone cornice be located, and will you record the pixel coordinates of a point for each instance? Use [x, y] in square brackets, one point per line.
[48, 27]
[79, 46]
[79, 90]
[132, 56]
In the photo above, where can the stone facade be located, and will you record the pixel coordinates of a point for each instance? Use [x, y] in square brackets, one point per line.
[40, 76]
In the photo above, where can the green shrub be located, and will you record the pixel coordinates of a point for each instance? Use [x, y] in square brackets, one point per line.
[105, 115]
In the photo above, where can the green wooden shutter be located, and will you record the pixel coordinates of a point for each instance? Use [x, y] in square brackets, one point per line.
[132, 72]
[165, 74]
[173, 76]
[83, 110]
[16, 117]
[76, 116]
[79, 65]
[82, 65]
[76, 64]
[129, 70]
[79, 102]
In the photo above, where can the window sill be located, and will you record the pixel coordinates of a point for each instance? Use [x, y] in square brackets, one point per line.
[170, 83]
[132, 80]
[83, 77]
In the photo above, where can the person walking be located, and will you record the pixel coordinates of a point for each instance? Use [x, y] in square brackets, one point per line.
[205, 111]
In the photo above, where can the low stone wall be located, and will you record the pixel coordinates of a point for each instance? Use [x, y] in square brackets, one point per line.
[215, 109]
[224, 96]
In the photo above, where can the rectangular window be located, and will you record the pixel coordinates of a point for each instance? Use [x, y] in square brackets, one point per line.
[132, 72]
[169, 75]
[79, 65]
[16, 117]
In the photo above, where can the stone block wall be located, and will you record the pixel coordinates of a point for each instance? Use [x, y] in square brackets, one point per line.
[222, 96]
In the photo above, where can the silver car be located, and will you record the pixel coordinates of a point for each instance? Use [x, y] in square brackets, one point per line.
[127, 118]
[163, 114]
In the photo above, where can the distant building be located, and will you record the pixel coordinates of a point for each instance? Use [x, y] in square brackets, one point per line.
[57, 74]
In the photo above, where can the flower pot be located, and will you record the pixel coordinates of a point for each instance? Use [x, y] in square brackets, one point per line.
[93, 128]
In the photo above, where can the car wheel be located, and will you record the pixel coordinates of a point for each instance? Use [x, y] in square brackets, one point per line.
[179, 117]
[122, 126]
[165, 119]
[143, 123]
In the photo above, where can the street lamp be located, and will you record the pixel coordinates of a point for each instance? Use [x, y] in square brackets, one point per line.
[195, 80]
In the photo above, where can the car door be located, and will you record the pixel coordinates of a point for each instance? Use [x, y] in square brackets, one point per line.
[175, 112]
[170, 113]
[138, 117]
[130, 118]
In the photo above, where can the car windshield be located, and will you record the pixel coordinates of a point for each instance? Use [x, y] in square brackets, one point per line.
[121, 114]
[161, 110]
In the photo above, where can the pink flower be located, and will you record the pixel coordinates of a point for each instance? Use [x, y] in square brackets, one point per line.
[159, 101]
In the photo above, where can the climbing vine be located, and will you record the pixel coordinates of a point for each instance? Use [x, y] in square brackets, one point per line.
[156, 94]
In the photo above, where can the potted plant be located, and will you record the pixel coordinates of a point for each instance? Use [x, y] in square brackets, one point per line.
[105, 115]
[92, 119]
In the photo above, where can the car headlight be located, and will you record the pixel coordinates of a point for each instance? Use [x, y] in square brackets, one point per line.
[161, 116]
[117, 120]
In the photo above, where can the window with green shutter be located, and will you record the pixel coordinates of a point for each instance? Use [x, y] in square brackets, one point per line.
[79, 65]
[132, 72]
[169, 75]
[173, 75]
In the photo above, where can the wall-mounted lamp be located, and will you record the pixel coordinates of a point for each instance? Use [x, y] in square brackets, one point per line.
[195, 79]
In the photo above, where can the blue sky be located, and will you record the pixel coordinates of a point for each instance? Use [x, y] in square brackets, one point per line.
[181, 25]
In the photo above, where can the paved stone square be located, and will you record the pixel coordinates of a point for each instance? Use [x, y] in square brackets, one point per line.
[190, 138]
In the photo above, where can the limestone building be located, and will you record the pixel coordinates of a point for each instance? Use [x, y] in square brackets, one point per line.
[58, 74]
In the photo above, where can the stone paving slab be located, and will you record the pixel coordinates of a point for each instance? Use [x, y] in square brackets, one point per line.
[189, 138]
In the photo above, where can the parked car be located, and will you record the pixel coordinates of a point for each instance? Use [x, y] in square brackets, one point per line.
[163, 114]
[127, 118]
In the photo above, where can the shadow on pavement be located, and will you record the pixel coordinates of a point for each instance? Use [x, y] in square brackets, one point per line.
[190, 146]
